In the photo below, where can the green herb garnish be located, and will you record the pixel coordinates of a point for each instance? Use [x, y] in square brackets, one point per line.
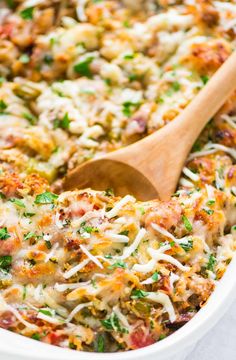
[36, 336]
[48, 244]
[204, 79]
[46, 198]
[27, 14]
[17, 202]
[5, 262]
[210, 202]
[63, 123]
[31, 118]
[188, 246]
[112, 323]
[3, 106]
[83, 67]
[155, 276]
[187, 223]
[100, 344]
[28, 214]
[45, 312]
[176, 86]
[139, 294]
[48, 59]
[129, 56]
[125, 232]
[209, 211]
[4, 235]
[29, 235]
[211, 263]
[129, 107]
[118, 264]
[109, 192]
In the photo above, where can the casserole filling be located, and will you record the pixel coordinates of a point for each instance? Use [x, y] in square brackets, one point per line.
[88, 270]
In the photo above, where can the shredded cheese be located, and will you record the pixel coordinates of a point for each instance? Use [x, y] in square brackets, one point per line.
[164, 300]
[118, 206]
[91, 257]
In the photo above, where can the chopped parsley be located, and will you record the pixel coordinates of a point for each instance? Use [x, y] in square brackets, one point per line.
[142, 210]
[63, 123]
[45, 312]
[46, 198]
[86, 229]
[210, 202]
[48, 59]
[176, 86]
[129, 107]
[139, 294]
[187, 223]
[209, 211]
[109, 192]
[176, 194]
[2, 196]
[83, 67]
[204, 79]
[112, 323]
[155, 276]
[125, 232]
[129, 56]
[27, 14]
[31, 118]
[36, 336]
[5, 262]
[28, 214]
[3, 106]
[196, 146]
[4, 235]
[48, 244]
[10, 3]
[187, 246]
[29, 235]
[126, 24]
[211, 263]
[133, 77]
[17, 202]
[100, 344]
[118, 264]
[108, 256]
[31, 262]
[24, 292]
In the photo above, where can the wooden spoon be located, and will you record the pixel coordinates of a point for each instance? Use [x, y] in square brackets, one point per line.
[151, 167]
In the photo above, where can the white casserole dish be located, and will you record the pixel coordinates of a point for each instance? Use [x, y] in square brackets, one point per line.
[175, 347]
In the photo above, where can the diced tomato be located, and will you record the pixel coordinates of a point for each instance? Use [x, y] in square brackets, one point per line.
[54, 338]
[140, 339]
[6, 30]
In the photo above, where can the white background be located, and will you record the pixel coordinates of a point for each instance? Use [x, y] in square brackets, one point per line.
[220, 342]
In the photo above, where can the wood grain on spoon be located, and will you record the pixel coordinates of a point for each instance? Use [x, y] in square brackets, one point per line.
[151, 167]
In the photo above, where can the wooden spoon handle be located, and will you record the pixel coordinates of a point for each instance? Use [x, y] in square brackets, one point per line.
[209, 100]
[161, 156]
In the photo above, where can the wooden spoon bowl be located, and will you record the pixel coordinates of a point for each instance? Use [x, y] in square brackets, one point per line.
[151, 167]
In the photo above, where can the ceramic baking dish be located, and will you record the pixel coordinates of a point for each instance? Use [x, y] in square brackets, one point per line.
[175, 347]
